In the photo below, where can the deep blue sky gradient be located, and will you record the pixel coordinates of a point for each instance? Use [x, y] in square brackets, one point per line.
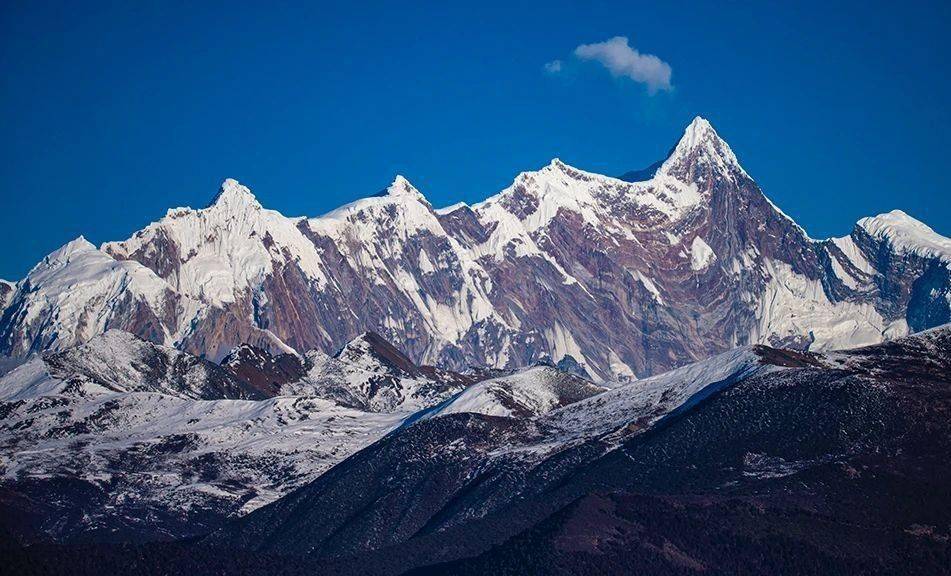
[112, 113]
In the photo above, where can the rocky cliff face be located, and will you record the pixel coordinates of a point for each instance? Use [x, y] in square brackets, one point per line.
[261, 371]
[626, 278]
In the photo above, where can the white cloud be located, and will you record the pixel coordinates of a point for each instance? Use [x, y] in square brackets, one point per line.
[553, 67]
[621, 59]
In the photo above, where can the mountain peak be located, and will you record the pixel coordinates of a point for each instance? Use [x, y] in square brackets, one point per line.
[698, 129]
[907, 234]
[401, 187]
[79, 243]
[700, 144]
[233, 194]
[559, 165]
[893, 217]
[370, 344]
[75, 246]
[698, 133]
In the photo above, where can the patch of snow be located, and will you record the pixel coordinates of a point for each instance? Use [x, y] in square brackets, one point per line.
[795, 306]
[425, 266]
[647, 283]
[840, 272]
[700, 254]
[28, 380]
[896, 329]
[621, 371]
[853, 253]
[561, 343]
[530, 392]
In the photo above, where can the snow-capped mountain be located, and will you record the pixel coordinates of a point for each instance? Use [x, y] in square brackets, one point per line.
[628, 279]
[79, 292]
[123, 439]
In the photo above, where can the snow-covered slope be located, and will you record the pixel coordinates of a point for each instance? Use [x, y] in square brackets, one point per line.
[639, 404]
[370, 374]
[570, 409]
[784, 429]
[127, 439]
[146, 455]
[527, 393]
[794, 444]
[221, 251]
[905, 234]
[79, 292]
[628, 279]
[121, 362]
[408, 274]
[222, 257]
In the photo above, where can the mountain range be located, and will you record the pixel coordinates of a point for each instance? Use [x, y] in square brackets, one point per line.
[620, 279]
[657, 373]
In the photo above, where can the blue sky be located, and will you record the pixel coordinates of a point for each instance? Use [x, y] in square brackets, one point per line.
[112, 113]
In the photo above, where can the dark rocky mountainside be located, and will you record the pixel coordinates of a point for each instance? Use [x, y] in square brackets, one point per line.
[263, 372]
[802, 463]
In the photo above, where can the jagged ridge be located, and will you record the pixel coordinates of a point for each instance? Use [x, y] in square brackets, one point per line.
[626, 278]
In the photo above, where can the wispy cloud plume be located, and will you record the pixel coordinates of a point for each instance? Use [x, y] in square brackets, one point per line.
[617, 55]
[553, 67]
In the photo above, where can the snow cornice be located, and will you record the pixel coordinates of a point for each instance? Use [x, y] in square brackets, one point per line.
[907, 234]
